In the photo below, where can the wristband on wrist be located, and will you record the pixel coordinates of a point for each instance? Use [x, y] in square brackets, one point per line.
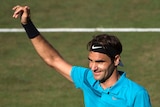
[30, 29]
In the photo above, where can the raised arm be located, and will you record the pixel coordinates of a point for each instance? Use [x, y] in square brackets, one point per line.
[45, 50]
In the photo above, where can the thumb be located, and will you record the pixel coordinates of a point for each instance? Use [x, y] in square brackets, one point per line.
[25, 15]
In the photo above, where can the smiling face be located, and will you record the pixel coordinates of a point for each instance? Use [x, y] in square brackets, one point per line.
[104, 57]
[101, 65]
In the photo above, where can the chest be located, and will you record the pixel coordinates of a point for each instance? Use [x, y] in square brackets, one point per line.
[95, 96]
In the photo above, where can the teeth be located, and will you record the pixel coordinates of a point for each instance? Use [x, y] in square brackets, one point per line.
[97, 71]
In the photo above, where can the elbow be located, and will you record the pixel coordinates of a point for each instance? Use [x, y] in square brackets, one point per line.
[52, 62]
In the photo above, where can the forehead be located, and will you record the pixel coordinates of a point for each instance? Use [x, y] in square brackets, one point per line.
[98, 56]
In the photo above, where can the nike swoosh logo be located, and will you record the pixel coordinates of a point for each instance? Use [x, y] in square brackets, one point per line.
[114, 98]
[96, 47]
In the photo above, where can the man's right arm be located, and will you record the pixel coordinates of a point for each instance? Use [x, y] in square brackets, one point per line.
[45, 50]
[51, 56]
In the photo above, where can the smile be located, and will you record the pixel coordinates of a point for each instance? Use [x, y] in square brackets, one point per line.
[96, 72]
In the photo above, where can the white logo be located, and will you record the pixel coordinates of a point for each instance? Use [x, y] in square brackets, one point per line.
[96, 47]
[114, 98]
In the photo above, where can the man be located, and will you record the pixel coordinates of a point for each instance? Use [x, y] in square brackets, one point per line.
[103, 85]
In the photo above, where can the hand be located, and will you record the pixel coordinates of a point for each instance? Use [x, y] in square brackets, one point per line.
[23, 12]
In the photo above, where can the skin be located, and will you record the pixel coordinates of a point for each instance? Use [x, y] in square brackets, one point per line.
[101, 65]
[98, 62]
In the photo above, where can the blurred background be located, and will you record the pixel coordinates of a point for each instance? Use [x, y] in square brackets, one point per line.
[26, 81]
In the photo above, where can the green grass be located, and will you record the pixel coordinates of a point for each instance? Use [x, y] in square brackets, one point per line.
[88, 13]
[26, 81]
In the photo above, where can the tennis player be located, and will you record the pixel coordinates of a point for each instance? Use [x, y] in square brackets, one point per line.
[103, 85]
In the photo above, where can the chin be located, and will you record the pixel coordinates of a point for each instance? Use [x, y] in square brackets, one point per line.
[97, 78]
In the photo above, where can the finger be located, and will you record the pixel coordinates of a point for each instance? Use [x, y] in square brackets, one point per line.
[18, 10]
[26, 7]
[17, 13]
[15, 7]
[26, 11]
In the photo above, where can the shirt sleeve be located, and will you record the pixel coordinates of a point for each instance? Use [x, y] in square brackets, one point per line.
[77, 75]
[142, 99]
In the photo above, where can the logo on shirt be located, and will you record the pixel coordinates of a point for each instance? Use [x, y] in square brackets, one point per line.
[114, 98]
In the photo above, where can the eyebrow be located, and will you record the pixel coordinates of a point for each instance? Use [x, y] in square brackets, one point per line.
[96, 60]
[89, 59]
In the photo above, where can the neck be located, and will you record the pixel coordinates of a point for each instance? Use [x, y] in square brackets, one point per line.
[111, 81]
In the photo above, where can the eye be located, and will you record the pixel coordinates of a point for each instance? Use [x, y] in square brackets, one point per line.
[100, 61]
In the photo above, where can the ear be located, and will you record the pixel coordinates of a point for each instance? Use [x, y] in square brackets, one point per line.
[117, 60]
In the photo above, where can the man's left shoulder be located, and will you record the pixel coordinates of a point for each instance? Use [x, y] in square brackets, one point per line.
[134, 87]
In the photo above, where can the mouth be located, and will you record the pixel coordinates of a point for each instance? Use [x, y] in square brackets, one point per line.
[96, 73]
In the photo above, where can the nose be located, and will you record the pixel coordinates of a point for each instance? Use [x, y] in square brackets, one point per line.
[93, 66]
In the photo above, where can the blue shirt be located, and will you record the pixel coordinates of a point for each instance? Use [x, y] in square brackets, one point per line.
[124, 93]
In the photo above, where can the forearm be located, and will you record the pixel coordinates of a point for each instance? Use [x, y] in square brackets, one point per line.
[41, 45]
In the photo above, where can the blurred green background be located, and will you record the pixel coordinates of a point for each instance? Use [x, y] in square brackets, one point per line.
[26, 81]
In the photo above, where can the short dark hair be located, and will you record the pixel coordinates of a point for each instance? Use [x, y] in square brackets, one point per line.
[107, 41]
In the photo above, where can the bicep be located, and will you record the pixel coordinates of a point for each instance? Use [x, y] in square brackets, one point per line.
[51, 56]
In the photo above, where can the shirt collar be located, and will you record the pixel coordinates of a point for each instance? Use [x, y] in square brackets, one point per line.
[97, 89]
[119, 84]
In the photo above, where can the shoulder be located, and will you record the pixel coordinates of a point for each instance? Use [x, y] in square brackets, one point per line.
[129, 87]
[134, 85]
[78, 74]
[129, 84]
[78, 70]
[134, 93]
[138, 94]
[81, 72]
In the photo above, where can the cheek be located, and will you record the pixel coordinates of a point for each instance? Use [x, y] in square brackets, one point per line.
[111, 68]
[103, 67]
